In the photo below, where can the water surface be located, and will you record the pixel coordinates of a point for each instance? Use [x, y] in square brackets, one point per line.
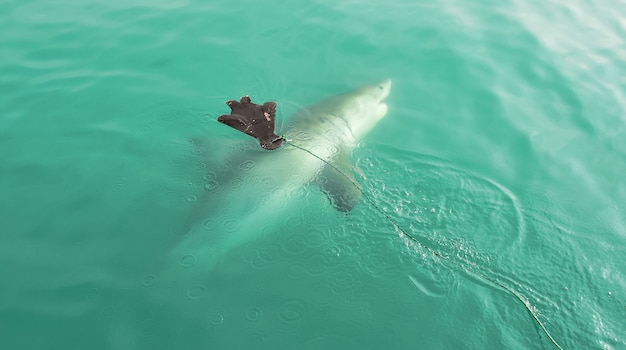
[503, 152]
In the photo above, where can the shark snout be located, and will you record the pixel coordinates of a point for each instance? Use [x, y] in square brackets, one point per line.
[384, 88]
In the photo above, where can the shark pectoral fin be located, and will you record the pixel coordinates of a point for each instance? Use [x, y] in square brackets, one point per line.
[340, 187]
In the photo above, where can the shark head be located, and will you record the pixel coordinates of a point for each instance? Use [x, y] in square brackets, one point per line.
[341, 120]
[365, 107]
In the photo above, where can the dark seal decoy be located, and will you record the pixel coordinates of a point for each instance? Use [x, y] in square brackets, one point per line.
[255, 120]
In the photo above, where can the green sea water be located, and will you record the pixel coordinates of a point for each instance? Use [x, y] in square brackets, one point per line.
[503, 154]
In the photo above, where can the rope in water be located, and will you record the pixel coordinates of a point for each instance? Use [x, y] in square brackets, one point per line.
[496, 283]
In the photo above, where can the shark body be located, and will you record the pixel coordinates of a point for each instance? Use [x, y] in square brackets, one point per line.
[254, 185]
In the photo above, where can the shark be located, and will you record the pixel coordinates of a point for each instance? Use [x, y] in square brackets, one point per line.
[255, 184]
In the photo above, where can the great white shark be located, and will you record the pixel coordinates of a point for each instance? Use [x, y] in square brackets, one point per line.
[253, 186]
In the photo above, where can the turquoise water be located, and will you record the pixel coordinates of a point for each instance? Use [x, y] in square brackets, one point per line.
[503, 153]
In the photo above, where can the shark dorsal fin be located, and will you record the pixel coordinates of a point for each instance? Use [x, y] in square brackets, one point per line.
[255, 120]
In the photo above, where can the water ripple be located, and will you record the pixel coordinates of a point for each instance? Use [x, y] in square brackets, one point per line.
[291, 313]
[438, 196]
